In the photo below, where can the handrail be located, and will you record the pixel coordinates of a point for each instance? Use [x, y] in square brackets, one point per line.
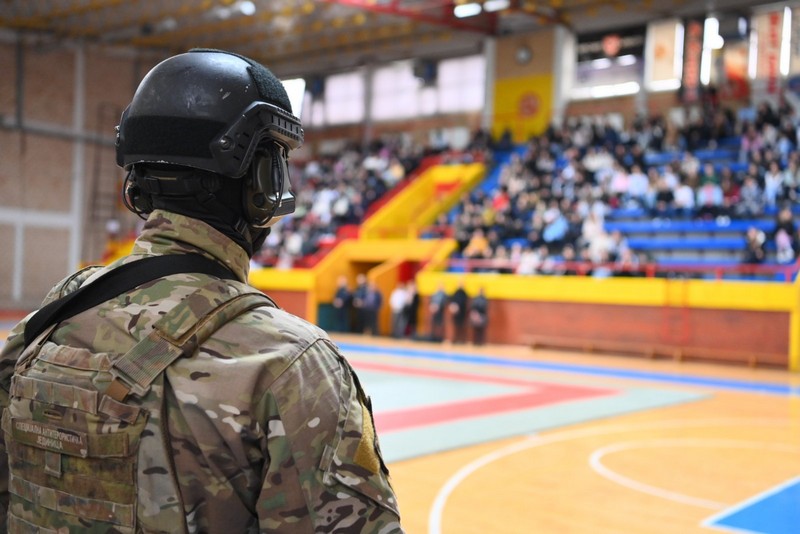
[648, 270]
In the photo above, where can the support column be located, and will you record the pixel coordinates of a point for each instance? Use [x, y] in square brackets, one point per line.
[77, 200]
[369, 70]
[490, 58]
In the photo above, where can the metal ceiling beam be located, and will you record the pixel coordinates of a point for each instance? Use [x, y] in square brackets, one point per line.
[485, 24]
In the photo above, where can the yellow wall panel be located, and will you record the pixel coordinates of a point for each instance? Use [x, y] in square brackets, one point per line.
[523, 105]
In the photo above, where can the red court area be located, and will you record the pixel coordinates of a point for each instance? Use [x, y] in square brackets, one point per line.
[535, 394]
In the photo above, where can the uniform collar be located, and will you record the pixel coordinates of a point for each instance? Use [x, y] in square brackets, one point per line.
[166, 232]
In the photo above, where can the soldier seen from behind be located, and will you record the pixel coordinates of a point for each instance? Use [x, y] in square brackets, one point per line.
[164, 394]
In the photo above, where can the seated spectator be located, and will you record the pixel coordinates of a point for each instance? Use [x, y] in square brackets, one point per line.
[773, 184]
[684, 199]
[791, 180]
[784, 251]
[555, 229]
[638, 185]
[617, 245]
[546, 264]
[478, 245]
[567, 264]
[627, 264]
[751, 142]
[730, 194]
[664, 200]
[709, 199]
[501, 261]
[754, 247]
[592, 228]
[529, 262]
[751, 202]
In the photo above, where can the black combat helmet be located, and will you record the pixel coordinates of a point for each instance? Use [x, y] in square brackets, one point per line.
[215, 113]
[205, 109]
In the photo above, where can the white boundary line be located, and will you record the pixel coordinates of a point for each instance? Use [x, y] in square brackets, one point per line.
[439, 503]
[595, 461]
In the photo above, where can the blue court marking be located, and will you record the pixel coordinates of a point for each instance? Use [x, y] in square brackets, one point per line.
[776, 511]
[672, 378]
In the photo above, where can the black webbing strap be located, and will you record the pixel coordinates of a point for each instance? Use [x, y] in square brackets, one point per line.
[118, 281]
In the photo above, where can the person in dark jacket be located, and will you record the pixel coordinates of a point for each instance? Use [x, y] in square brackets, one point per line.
[342, 305]
[436, 307]
[457, 307]
[412, 309]
[479, 317]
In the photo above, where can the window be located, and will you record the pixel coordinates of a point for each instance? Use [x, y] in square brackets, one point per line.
[395, 92]
[461, 84]
[344, 98]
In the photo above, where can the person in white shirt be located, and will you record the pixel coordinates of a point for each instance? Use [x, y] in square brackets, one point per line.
[398, 301]
[684, 200]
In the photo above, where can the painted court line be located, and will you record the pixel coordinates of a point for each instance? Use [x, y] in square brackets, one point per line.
[596, 462]
[440, 502]
[499, 361]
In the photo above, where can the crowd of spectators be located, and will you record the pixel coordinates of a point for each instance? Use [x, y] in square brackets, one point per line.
[550, 203]
[333, 191]
[548, 209]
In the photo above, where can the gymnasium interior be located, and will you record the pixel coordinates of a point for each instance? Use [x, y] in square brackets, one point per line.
[620, 179]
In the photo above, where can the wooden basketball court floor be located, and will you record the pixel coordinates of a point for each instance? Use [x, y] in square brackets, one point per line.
[504, 439]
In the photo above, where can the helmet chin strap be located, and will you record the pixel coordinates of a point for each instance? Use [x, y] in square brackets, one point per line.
[212, 199]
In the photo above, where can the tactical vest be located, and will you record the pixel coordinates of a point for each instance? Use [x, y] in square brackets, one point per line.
[86, 433]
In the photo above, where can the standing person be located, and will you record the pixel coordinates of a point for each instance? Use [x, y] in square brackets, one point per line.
[342, 305]
[189, 402]
[479, 317]
[412, 309]
[436, 308]
[458, 313]
[373, 300]
[398, 301]
[360, 319]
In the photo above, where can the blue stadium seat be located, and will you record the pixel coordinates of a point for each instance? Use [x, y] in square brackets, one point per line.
[654, 226]
[732, 142]
[717, 154]
[627, 213]
[732, 244]
[662, 158]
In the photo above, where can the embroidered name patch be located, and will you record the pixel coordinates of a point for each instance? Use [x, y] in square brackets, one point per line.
[49, 437]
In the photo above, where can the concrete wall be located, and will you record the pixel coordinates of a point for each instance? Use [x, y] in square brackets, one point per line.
[59, 183]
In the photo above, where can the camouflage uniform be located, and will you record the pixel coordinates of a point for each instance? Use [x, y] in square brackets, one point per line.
[268, 427]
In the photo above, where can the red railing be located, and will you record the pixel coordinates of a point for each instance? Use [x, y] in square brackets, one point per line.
[648, 270]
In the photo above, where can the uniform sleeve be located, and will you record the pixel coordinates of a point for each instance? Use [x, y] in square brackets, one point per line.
[324, 471]
[8, 359]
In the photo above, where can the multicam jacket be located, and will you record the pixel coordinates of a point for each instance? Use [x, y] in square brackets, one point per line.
[267, 425]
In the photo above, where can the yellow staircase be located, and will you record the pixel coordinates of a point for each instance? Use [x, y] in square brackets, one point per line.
[388, 248]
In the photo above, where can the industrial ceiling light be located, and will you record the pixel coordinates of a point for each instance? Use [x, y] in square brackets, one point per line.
[496, 5]
[467, 10]
[247, 8]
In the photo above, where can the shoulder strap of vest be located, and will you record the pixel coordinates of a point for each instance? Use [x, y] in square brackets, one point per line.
[118, 281]
[180, 332]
